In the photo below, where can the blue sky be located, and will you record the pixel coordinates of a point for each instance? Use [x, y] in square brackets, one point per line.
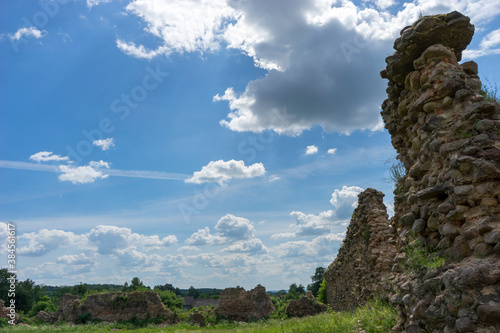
[206, 143]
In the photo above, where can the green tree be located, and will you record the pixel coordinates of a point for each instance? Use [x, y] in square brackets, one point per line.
[192, 291]
[27, 293]
[135, 285]
[317, 278]
[44, 304]
[322, 292]
[295, 292]
[170, 299]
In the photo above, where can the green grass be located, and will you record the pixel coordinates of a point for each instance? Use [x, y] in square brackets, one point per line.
[374, 317]
[421, 258]
[490, 92]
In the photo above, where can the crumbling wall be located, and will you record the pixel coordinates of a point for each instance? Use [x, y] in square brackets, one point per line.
[240, 305]
[112, 307]
[448, 138]
[365, 259]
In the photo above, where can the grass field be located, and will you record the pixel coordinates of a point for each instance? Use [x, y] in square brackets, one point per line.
[374, 317]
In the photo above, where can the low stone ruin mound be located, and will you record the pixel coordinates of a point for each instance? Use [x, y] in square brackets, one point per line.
[240, 305]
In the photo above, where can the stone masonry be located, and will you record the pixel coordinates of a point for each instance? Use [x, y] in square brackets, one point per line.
[240, 305]
[364, 260]
[112, 307]
[448, 138]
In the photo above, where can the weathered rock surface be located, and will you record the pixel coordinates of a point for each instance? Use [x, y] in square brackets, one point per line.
[240, 305]
[45, 317]
[113, 307]
[7, 313]
[447, 136]
[365, 258]
[305, 306]
[197, 318]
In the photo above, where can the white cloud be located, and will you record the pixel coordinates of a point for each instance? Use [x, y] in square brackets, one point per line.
[188, 249]
[92, 3]
[76, 259]
[28, 32]
[109, 238]
[204, 237]
[45, 241]
[234, 227]
[252, 245]
[345, 200]
[486, 47]
[183, 25]
[230, 229]
[83, 174]
[221, 171]
[45, 156]
[105, 144]
[332, 151]
[311, 150]
[274, 178]
[130, 257]
[320, 246]
[319, 54]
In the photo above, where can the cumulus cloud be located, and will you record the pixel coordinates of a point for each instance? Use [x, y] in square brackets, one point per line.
[489, 45]
[45, 156]
[204, 237]
[109, 238]
[105, 144]
[221, 171]
[234, 227]
[344, 201]
[182, 25]
[45, 241]
[311, 150]
[332, 151]
[320, 246]
[318, 53]
[83, 174]
[131, 257]
[230, 229]
[28, 32]
[76, 259]
[253, 245]
[188, 249]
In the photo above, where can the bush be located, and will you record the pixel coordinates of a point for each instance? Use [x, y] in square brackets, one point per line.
[44, 304]
[322, 292]
[83, 318]
[4, 322]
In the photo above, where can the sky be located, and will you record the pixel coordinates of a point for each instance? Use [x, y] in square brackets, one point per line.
[193, 142]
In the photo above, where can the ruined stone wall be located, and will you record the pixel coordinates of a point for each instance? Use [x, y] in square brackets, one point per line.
[113, 307]
[448, 138]
[365, 259]
[240, 305]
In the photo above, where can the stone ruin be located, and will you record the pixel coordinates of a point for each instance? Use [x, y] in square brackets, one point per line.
[448, 138]
[6, 313]
[112, 307]
[240, 305]
[305, 306]
[365, 258]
